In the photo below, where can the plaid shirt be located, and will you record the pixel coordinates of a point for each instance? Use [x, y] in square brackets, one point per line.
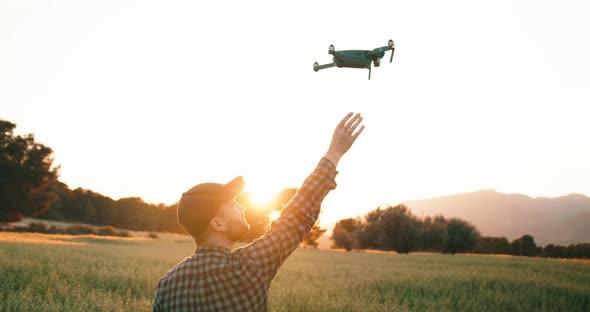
[218, 279]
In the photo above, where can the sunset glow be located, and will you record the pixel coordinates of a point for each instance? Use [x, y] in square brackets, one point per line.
[139, 108]
[261, 197]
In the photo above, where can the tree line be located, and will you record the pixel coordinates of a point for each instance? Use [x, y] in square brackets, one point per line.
[29, 186]
[396, 228]
[132, 213]
[86, 206]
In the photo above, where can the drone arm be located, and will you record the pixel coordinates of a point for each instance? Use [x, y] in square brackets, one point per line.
[325, 66]
[384, 49]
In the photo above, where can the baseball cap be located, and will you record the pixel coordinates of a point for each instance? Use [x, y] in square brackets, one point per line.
[199, 205]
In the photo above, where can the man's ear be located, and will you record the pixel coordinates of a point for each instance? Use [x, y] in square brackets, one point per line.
[217, 225]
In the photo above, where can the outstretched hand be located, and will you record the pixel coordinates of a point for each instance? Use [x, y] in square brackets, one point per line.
[344, 136]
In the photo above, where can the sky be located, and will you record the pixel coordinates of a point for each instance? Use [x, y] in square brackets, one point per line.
[149, 98]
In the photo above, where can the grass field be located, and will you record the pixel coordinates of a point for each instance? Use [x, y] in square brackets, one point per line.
[64, 273]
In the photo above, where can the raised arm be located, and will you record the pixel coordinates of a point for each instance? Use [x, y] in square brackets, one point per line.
[297, 218]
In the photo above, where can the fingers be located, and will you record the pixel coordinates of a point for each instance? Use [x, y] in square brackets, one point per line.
[356, 135]
[355, 124]
[350, 122]
[344, 136]
[344, 120]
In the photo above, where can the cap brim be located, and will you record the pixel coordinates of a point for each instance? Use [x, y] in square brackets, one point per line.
[235, 186]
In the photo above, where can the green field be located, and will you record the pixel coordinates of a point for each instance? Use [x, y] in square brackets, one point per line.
[99, 274]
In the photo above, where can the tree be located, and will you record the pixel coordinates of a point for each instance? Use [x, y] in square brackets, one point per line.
[168, 221]
[461, 236]
[492, 245]
[106, 210]
[343, 234]
[369, 230]
[528, 245]
[398, 229]
[55, 211]
[553, 251]
[25, 171]
[434, 233]
[524, 246]
[316, 232]
[128, 213]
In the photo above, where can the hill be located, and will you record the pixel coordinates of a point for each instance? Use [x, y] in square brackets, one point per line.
[559, 220]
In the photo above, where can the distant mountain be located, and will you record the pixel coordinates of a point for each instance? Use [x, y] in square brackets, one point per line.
[559, 220]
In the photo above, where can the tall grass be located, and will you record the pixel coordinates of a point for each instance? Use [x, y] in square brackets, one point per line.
[121, 275]
[335, 281]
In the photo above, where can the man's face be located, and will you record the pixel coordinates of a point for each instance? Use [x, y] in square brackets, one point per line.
[232, 214]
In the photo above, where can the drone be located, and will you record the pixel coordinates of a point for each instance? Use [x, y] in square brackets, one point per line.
[357, 58]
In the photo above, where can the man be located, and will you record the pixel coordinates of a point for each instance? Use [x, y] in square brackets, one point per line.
[215, 278]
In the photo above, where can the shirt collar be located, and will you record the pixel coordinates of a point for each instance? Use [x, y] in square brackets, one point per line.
[212, 250]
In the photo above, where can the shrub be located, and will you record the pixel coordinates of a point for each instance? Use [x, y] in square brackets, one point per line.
[107, 231]
[153, 235]
[37, 227]
[19, 229]
[54, 229]
[80, 229]
[123, 233]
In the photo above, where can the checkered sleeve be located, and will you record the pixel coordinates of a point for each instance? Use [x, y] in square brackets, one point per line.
[156, 302]
[297, 218]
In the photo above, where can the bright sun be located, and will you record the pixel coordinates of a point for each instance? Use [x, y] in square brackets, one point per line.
[261, 198]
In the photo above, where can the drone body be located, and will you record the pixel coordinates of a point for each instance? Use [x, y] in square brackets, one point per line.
[357, 58]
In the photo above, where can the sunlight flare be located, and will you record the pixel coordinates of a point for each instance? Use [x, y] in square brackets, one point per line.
[261, 197]
[273, 215]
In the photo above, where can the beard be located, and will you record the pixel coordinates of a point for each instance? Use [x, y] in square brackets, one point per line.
[239, 231]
